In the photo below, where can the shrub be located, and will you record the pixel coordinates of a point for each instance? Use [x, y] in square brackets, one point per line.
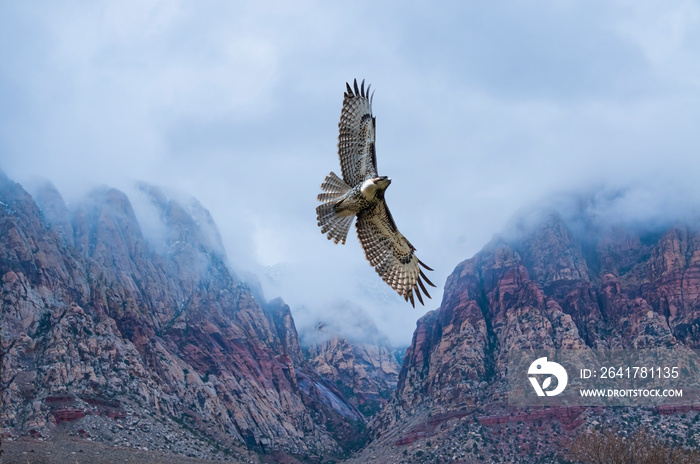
[609, 447]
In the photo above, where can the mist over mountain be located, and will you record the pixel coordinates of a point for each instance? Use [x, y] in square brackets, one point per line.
[563, 135]
[130, 341]
[123, 322]
[643, 207]
[578, 277]
[481, 109]
[345, 347]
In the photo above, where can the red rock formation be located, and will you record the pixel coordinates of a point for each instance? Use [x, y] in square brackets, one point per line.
[353, 355]
[365, 372]
[546, 287]
[68, 414]
[96, 321]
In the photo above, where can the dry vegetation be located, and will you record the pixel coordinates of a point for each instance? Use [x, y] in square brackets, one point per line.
[610, 447]
[69, 450]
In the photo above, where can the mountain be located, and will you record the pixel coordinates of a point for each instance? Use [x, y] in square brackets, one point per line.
[126, 326]
[347, 349]
[557, 283]
[148, 343]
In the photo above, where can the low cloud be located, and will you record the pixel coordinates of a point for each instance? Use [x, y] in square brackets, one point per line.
[482, 110]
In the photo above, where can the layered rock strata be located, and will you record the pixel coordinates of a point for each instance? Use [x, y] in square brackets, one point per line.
[97, 324]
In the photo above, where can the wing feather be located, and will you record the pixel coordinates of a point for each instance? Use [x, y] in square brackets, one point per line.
[358, 160]
[391, 254]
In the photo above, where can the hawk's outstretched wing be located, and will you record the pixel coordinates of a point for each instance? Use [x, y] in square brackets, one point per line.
[356, 140]
[391, 254]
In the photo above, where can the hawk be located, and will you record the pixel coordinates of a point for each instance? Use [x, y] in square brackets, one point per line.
[360, 193]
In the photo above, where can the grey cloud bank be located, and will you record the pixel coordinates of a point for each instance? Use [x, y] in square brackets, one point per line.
[482, 110]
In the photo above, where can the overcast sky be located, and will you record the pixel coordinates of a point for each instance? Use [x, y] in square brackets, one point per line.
[483, 108]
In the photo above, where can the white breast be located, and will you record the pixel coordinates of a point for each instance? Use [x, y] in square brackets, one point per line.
[368, 189]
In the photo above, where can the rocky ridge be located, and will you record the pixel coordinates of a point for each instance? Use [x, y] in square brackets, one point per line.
[358, 360]
[555, 285]
[109, 339]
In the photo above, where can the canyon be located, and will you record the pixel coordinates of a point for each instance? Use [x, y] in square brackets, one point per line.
[113, 337]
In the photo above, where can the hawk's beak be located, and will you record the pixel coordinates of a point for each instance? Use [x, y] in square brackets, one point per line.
[384, 181]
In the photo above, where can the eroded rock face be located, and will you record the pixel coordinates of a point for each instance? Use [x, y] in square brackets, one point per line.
[365, 372]
[90, 310]
[547, 287]
[345, 347]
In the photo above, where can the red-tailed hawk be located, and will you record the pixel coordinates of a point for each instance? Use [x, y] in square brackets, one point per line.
[360, 193]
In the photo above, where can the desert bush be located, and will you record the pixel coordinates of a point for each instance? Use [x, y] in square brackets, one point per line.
[610, 447]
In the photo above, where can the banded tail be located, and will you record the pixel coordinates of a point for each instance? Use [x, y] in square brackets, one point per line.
[333, 222]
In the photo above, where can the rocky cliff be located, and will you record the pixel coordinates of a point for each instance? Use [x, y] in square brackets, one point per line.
[110, 335]
[347, 349]
[556, 284]
[137, 333]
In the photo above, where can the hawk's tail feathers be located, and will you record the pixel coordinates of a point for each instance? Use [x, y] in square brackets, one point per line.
[333, 184]
[332, 224]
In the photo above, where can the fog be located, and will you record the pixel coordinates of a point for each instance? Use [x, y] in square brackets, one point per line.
[483, 109]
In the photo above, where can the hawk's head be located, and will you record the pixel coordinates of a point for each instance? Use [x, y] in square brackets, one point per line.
[382, 182]
[374, 188]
